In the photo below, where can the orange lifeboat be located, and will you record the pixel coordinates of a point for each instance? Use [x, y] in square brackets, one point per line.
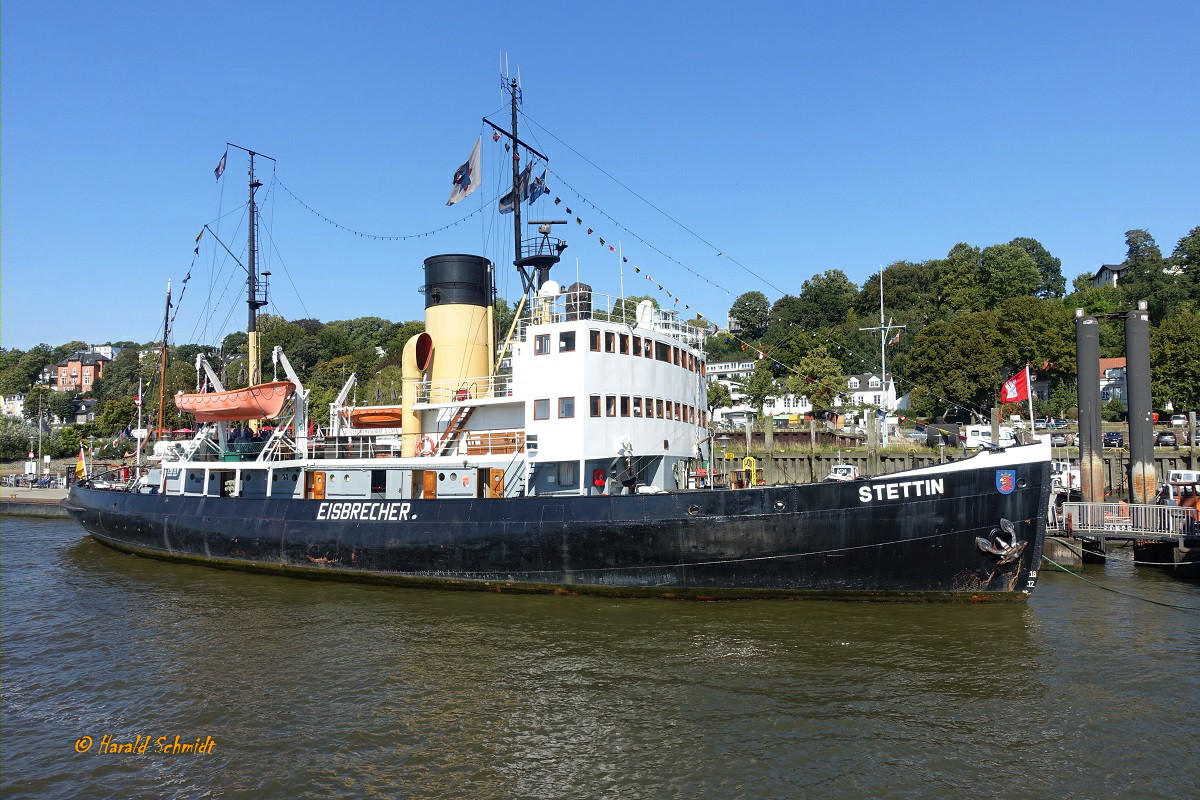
[261, 401]
[376, 417]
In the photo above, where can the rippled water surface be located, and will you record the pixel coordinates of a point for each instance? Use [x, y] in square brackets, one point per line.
[330, 689]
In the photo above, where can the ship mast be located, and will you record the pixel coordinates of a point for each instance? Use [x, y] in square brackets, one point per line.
[162, 373]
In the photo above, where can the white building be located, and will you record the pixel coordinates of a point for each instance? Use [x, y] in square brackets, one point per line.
[869, 390]
[14, 405]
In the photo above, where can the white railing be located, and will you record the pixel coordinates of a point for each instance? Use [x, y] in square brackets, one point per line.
[570, 306]
[457, 391]
[1126, 518]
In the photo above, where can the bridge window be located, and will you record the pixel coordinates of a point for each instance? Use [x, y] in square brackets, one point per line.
[637, 345]
[566, 342]
[624, 405]
[610, 405]
[566, 407]
[594, 405]
[637, 406]
[610, 342]
[658, 409]
[541, 409]
[595, 340]
[541, 344]
[662, 352]
[625, 344]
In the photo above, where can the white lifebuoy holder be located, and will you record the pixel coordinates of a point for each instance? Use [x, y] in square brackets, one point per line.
[425, 446]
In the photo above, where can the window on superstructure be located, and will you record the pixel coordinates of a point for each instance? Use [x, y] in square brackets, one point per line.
[566, 342]
[610, 342]
[594, 405]
[541, 409]
[662, 351]
[624, 405]
[650, 407]
[658, 409]
[703, 368]
[678, 412]
[675, 356]
[637, 406]
[624, 344]
[637, 345]
[541, 344]
[610, 405]
[595, 340]
[566, 407]
[670, 409]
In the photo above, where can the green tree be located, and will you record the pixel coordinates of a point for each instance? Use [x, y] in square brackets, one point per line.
[956, 363]
[1051, 283]
[37, 401]
[959, 279]
[1036, 332]
[1008, 271]
[825, 299]
[750, 310]
[1175, 362]
[116, 414]
[817, 376]
[62, 404]
[1113, 410]
[718, 396]
[1186, 259]
[1143, 277]
[760, 385]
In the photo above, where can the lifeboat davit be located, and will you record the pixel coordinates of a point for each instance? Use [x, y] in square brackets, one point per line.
[376, 417]
[262, 401]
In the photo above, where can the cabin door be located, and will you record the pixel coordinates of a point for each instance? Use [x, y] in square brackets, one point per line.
[314, 485]
[430, 476]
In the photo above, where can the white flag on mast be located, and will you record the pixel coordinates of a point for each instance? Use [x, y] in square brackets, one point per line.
[466, 177]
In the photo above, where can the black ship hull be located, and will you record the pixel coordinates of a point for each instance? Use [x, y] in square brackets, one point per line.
[907, 535]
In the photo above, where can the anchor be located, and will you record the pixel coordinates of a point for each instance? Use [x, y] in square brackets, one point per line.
[1007, 551]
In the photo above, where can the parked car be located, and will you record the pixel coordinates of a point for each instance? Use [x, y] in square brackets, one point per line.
[1040, 422]
[1113, 439]
[1178, 420]
[1058, 439]
[1164, 439]
[1058, 423]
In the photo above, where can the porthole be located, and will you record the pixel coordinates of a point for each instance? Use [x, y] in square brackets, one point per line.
[1021, 483]
[693, 510]
[453, 476]
[441, 476]
[779, 505]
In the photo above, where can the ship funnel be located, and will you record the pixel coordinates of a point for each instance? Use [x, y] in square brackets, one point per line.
[458, 294]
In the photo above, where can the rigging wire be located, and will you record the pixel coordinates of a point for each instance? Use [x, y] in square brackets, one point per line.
[719, 251]
[379, 237]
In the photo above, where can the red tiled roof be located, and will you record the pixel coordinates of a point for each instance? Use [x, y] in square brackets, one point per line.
[1111, 363]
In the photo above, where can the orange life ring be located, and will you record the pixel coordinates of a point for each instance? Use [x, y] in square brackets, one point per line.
[425, 446]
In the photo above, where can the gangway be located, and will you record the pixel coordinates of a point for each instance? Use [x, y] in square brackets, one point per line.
[1127, 521]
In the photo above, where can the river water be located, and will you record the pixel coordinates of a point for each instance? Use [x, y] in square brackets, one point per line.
[328, 689]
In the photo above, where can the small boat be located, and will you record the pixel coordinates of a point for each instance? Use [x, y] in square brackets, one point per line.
[376, 416]
[841, 473]
[261, 401]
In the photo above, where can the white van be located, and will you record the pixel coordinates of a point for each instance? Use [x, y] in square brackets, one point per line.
[981, 436]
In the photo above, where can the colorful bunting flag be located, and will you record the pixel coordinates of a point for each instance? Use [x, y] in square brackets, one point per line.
[466, 178]
[558, 200]
[220, 170]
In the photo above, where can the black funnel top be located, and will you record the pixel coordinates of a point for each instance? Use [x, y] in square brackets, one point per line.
[457, 279]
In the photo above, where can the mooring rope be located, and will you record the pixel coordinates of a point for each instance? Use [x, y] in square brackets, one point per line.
[1117, 591]
[1107, 557]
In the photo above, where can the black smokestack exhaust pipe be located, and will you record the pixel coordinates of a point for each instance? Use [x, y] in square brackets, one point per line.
[1142, 480]
[1087, 356]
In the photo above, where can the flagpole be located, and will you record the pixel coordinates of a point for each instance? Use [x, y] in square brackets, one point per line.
[138, 442]
[1029, 391]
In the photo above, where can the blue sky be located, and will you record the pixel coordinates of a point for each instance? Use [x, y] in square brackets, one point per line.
[794, 137]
